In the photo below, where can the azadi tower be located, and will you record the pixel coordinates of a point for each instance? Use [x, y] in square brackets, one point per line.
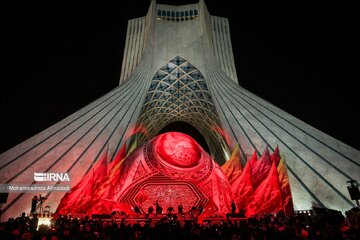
[178, 66]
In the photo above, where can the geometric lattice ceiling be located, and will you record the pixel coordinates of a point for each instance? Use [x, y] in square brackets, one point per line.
[178, 92]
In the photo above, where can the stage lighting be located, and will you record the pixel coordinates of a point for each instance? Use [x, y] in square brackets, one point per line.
[44, 221]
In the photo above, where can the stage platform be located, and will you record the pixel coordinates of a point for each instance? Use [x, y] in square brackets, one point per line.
[152, 219]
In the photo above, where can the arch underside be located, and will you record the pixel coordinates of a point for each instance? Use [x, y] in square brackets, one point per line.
[178, 93]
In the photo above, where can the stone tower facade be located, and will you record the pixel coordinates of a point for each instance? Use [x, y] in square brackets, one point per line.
[178, 66]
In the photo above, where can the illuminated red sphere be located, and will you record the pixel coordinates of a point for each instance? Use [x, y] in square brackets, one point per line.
[178, 149]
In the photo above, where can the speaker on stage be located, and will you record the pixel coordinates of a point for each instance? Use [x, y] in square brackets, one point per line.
[354, 192]
[3, 197]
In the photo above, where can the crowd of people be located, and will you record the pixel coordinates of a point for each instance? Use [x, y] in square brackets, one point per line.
[315, 224]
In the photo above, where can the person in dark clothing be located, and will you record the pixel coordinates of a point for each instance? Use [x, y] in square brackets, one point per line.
[34, 223]
[180, 209]
[150, 210]
[158, 208]
[23, 219]
[34, 202]
[170, 211]
[137, 209]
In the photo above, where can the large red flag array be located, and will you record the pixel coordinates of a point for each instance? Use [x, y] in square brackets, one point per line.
[263, 186]
[267, 197]
[84, 198]
[261, 168]
[84, 189]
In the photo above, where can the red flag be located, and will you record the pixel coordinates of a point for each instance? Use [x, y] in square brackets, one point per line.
[106, 190]
[267, 197]
[232, 168]
[275, 156]
[120, 155]
[285, 188]
[99, 170]
[261, 168]
[253, 159]
[80, 197]
[242, 187]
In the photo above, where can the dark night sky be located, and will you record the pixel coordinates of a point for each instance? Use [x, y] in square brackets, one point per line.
[298, 57]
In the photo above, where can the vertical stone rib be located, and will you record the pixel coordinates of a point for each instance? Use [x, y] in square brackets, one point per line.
[125, 55]
[218, 43]
[141, 48]
[134, 46]
[216, 52]
[133, 41]
[137, 43]
[128, 54]
[230, 52]
[224, 46]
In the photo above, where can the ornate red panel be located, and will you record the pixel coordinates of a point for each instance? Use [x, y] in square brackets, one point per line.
[167, 191]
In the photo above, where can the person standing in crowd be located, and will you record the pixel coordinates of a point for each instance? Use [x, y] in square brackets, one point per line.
[158, 208]
[180, 209]
[170, 210]
[34, 202]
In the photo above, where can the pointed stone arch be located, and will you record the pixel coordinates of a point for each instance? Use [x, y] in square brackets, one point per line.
[178, 92]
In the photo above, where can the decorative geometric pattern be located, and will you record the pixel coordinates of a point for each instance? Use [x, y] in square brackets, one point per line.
[170, 195]
[178, 92]
[140, 171]
[168, 191]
